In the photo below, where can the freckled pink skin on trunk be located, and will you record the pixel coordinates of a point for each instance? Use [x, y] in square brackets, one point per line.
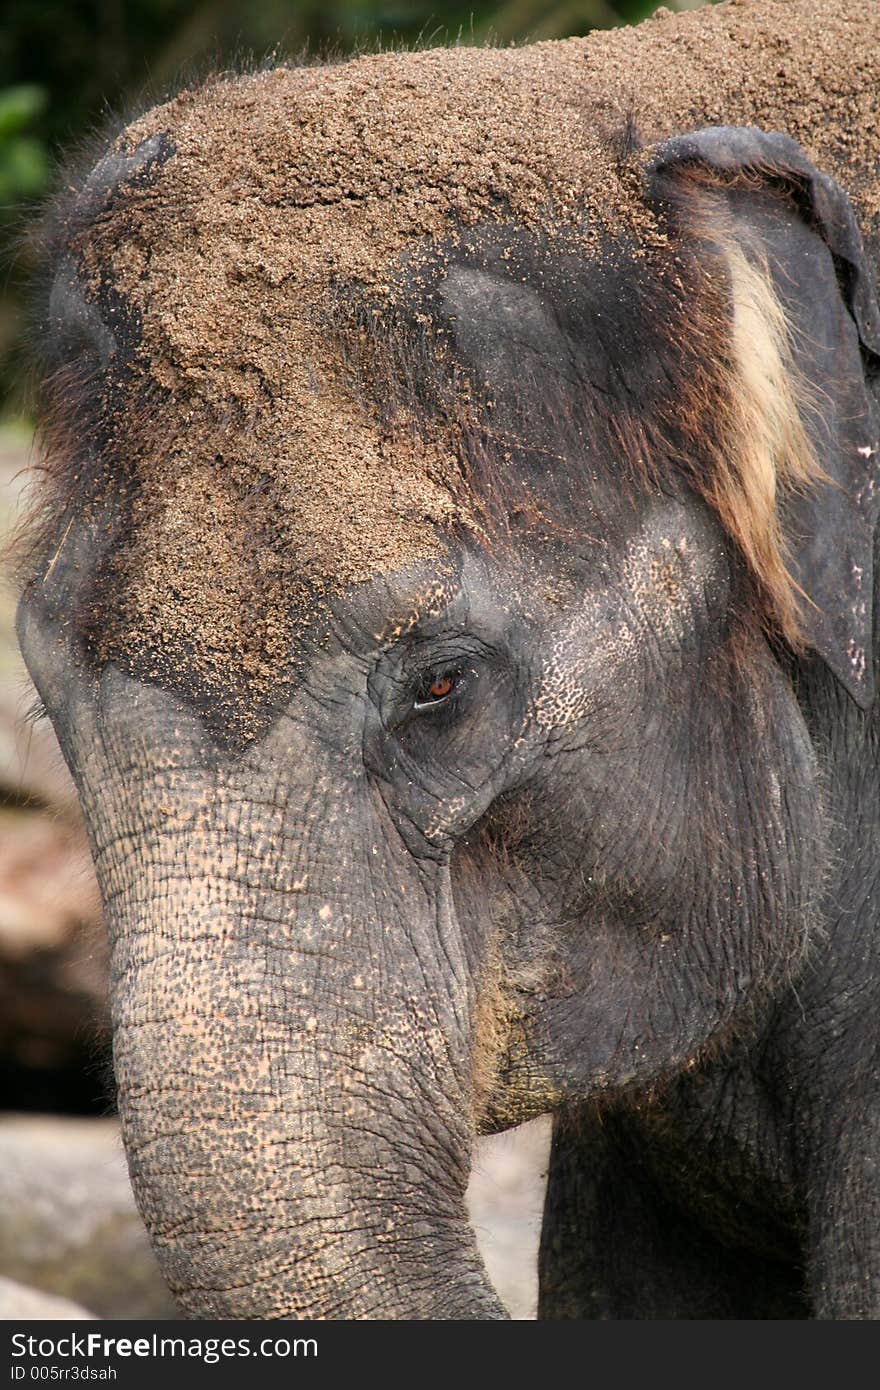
[291, 1049]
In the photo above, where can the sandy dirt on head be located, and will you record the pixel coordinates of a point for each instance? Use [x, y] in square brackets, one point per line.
[264, 479]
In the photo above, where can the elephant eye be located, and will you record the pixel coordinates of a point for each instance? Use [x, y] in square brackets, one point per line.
[436, 689]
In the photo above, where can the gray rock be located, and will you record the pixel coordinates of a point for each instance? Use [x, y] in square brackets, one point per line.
[68, 1223]
[30, 1305]
[505, 1200]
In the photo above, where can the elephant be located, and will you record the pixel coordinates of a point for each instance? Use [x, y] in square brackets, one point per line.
[452, 580]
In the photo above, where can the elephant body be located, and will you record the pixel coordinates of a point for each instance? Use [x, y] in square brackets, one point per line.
[454, 592]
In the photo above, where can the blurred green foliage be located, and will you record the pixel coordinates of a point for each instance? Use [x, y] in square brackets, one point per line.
[66, 66]
[24, 159]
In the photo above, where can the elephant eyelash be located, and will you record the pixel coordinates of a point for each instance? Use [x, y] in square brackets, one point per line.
[36, 712]
[447, 682]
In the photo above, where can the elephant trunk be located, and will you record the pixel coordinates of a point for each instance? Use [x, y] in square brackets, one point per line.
[297, 1102]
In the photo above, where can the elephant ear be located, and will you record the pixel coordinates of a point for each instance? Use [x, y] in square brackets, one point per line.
[758, 200]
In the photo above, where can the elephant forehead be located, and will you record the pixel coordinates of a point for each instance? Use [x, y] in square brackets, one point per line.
[263, 470]
[219, 551]
[269, 474]
[274, 194]
[280, 190]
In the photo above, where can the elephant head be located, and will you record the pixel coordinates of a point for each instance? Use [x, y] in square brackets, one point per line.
[417, 603]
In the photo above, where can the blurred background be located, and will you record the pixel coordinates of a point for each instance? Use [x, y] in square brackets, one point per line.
[67, 1224]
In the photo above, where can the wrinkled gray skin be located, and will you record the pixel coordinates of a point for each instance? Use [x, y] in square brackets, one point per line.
[631, 860]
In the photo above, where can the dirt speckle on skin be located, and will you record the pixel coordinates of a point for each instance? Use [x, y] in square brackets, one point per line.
[263, 480]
